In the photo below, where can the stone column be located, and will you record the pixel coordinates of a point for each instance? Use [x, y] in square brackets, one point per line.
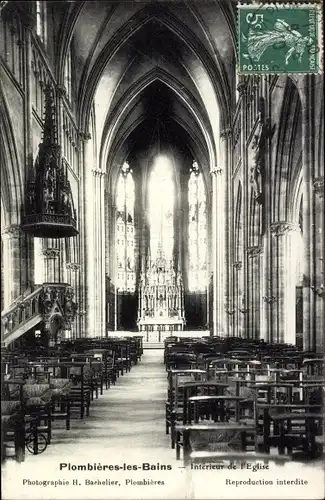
[28, 129]
[51, 264]
[102, 270]
[227, 146]
[254, 305]
[310, 89]
[84, 159]
[88, 235]
[238, 290]
[242, 291]
[113, 264]
[98, 253]
[218, 251]
[317, 286]
[283, 293]
[73, 274]
[15, 263]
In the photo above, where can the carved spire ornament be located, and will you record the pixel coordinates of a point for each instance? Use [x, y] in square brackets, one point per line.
[49, 208]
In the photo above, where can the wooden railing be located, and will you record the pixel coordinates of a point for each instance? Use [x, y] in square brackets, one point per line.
[21, 311]
[39, 303]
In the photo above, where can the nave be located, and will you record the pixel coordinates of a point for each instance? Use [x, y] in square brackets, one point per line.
[126, 425]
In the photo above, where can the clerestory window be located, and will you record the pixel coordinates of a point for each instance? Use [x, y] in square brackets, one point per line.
[125, 231]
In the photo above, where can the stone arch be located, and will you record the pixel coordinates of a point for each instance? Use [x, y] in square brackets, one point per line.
[118, 114]
[285, 162]
[11, 179]
[136, 23]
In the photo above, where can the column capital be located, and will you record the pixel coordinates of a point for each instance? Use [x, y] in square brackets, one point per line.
[282, 227]
[84, 136]
[73, 266]
[216, 170]
[255, 82]
[242, 87]
[61, 90]
[238, 265]
[319, 186]
[254, 251]
[51, 253]
[97, 172]
[12, 231]
[226, 132]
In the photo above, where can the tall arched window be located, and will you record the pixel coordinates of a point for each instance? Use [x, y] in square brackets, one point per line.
[68, 73]
[197, 231]
[125, 237]
[41, 20]
[161, 208]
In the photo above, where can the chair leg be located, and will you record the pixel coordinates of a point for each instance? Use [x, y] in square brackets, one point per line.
[67, 422]
[172, 429]
[20, 442]
[178, 448]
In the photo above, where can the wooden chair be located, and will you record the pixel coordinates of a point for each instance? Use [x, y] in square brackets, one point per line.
[12, 420]
[298, 429]
[185, 432]
[175, 397]
[205, 389]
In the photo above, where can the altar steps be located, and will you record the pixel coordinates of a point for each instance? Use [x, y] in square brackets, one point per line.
[153, 345]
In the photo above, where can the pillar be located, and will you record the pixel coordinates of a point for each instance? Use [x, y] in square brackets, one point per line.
[85, 150]
[73, 275]
[254, 305]
[88, 242]
[15, 263]
[52, 264]
[238, 293]
[98, 255]
[310, 89]
[242, 273]
[317, 286]
[218, 251]
[281, 295]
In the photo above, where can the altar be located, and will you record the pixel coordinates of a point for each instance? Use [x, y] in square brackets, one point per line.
[161, 298]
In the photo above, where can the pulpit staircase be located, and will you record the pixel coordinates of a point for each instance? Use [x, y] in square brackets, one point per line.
[37, 305]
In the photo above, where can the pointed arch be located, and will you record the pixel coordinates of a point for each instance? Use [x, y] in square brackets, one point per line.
[119, 113]
[287, 149]
[137, 22]
[11, 179]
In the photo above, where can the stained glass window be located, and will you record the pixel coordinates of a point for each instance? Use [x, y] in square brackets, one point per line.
[125, 233]
[41, 20]
[68, 73]
[197, 231]
[161, 208]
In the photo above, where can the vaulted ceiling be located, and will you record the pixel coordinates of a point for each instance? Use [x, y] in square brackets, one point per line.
[133, 58]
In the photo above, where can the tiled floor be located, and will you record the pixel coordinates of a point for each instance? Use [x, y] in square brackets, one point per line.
[126, 429]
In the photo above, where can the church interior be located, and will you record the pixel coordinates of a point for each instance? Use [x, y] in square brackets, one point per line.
[162, 239]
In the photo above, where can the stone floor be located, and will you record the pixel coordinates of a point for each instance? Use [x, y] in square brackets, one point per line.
[126, 431]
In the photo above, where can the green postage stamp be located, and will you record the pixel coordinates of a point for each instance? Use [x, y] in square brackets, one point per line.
[279, 38]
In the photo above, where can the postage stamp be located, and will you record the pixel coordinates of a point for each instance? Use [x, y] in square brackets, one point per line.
[279, 38]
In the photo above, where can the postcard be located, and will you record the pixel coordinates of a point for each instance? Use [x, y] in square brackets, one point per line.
[162, 243]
